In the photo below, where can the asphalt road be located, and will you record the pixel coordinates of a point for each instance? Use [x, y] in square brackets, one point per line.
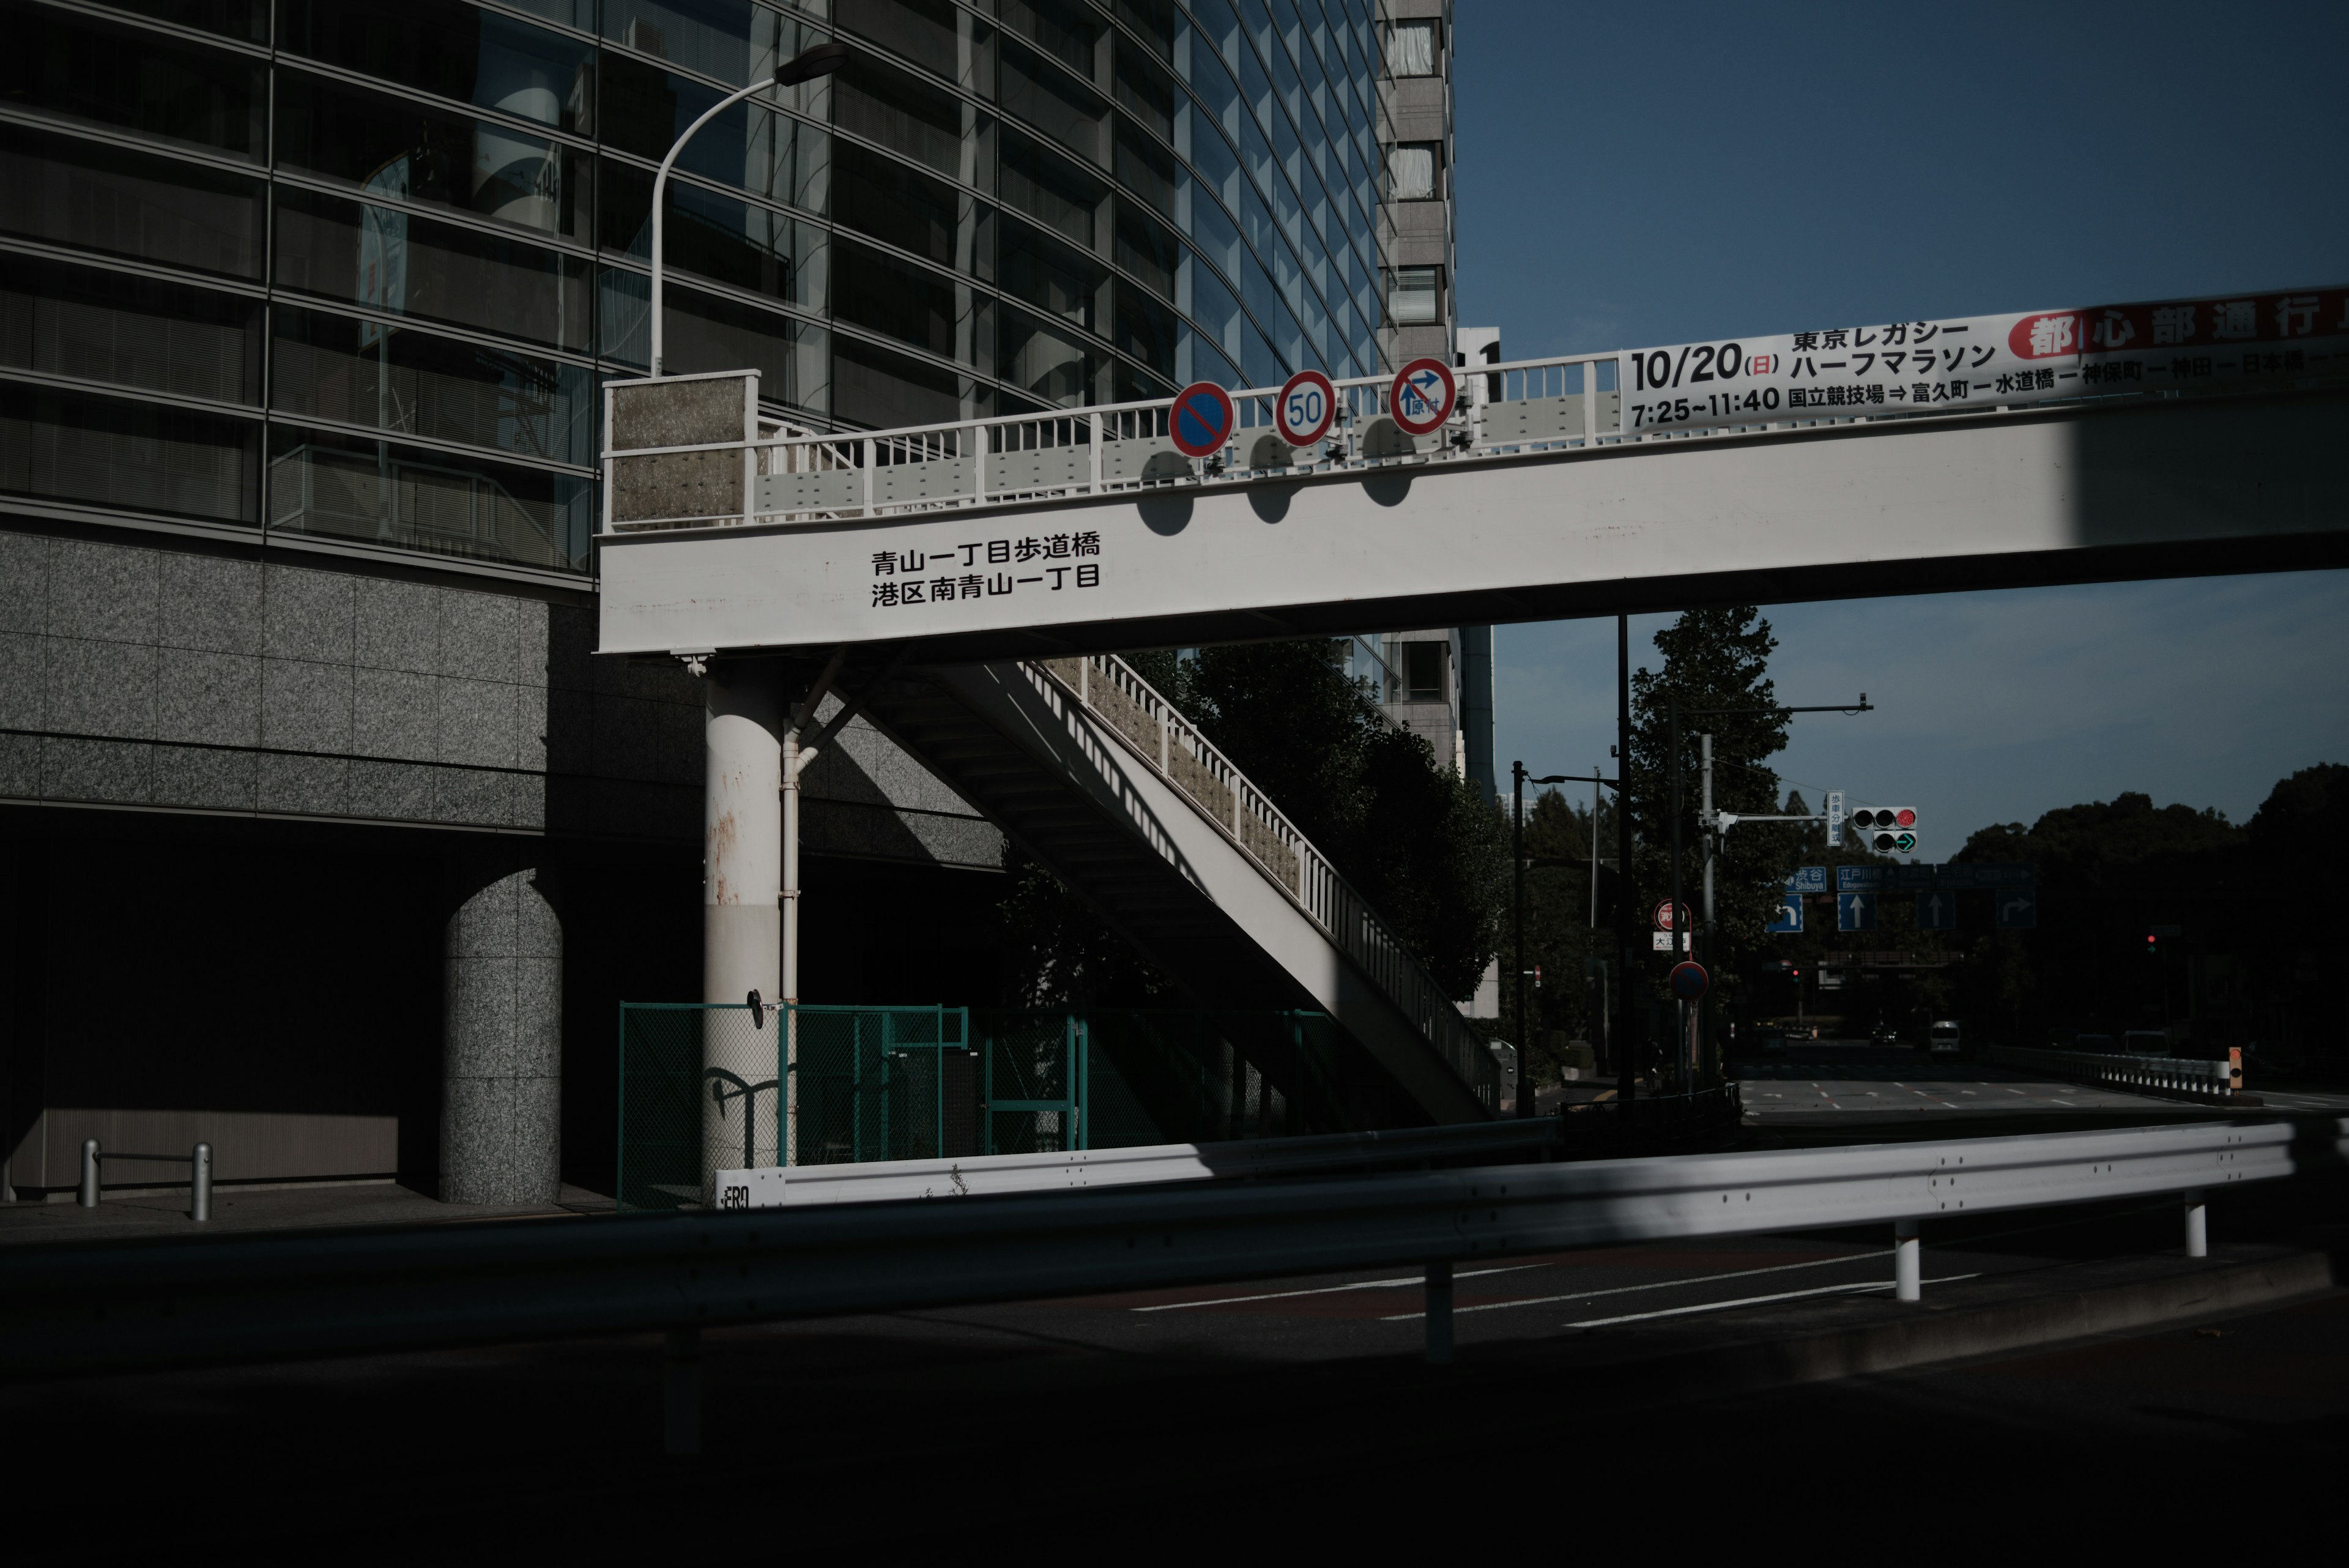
[1821, 1082]
[1229, 1421]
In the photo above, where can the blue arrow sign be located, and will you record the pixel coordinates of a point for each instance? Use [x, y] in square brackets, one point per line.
[1937, 911]
[1789, 922]
[2018, 909]
[1855, 912]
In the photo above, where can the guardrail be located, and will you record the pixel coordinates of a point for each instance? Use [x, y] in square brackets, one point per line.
[2176, 1075]
[87, 1309]
[1153, 730]
[990, 1175]
[198, 1160]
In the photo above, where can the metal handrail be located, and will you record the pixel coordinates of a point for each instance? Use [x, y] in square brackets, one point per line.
[1166, 741]
[199, 1159]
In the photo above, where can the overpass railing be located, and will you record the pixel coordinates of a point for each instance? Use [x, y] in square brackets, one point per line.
[1980, 367]
[1155, 731]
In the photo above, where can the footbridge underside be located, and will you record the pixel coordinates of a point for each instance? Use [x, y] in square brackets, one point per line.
[1469, 530]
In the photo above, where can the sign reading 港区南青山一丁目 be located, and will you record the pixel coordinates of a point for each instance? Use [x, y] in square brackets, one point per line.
[2233, 342]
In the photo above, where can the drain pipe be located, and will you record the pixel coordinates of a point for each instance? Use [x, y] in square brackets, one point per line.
[794, 759]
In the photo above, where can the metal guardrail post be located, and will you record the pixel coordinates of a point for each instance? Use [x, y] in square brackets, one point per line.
[681, 1392]
[2198, 1225]
[89, 1173]
[199, 1207]
[1908, 1275]
[1439, 1315]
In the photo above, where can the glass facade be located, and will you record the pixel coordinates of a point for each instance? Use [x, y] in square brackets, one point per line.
[354, 269]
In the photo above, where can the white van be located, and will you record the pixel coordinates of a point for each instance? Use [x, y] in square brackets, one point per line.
[1941, 1039]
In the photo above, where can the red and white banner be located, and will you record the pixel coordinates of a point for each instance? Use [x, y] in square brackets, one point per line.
[2229, 342]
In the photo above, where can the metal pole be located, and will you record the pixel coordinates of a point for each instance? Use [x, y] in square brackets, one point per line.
[2198, 1227]
[1626, 1049]
[200, 1206]
[1908, 1279]
[89, 1173]
[1517, 846]
[1439, 1315]
[681, 1392]
[1680, 916]
[1711, 842]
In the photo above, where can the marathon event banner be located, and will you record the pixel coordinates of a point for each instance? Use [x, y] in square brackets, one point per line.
[2237, 342]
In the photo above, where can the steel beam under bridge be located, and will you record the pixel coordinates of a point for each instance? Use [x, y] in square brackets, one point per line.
[2080, 492]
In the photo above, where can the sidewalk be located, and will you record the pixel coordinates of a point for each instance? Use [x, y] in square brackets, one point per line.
[165, 1214]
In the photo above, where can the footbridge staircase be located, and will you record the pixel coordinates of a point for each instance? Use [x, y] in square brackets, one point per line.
[1102, 780]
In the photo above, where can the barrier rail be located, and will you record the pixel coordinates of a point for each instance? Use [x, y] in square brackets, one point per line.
[96, 1308]
[1155, 731]
[988, 1176]
[198, 1160]
[2219, 1081]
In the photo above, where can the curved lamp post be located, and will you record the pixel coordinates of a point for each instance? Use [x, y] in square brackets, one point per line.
[820, 61]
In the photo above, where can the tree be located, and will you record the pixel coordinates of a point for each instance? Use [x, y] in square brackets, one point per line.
[1414, 838]
[1714, 659]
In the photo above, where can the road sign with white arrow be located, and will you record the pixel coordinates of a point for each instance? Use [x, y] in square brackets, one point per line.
[1937, 911]
[2018, 910]
[1856, 911]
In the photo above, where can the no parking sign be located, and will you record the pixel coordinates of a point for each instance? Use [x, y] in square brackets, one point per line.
[1201, 420]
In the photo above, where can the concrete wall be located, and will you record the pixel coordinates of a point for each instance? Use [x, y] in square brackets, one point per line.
[235, 786]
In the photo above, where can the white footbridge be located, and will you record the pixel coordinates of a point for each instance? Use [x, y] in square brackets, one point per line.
[971, 581]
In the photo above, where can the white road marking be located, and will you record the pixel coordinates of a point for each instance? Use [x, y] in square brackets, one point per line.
[1332, 1290]
[1757, 1301]
[1656, 1286]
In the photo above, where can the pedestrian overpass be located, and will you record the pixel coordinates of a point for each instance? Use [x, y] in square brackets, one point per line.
[972, 581]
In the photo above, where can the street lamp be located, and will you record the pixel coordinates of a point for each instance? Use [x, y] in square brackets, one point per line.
[820, 61]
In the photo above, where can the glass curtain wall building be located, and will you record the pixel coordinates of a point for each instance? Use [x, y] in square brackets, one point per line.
[352, 270]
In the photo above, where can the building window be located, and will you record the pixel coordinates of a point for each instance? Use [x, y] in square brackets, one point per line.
[1412, 171]
[1411, 48]
[1423, 672]
[1412, 294]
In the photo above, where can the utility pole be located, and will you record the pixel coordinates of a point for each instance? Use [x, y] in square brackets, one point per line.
[1627, 1048]
[1517, 866]
[1679, 912]
[1705, 947]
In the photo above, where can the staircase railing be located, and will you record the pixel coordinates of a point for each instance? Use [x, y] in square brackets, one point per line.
[1156, 731]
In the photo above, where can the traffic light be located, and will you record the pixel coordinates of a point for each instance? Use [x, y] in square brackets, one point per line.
[1886, 829]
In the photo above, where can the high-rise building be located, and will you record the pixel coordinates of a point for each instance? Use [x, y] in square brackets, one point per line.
[319, 814]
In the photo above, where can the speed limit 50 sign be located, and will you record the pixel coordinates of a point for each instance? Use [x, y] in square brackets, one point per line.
[1307, 405]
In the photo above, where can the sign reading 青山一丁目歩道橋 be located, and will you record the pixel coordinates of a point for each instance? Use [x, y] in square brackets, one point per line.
[2235, 341]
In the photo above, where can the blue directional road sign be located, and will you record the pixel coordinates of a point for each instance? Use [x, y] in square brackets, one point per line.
[2018, 909]
[1856, 911]
[1789, 922]
[1807, 880]
[1937, 911]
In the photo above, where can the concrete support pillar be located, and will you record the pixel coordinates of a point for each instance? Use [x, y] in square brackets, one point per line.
[501, 1038]
[741, 920]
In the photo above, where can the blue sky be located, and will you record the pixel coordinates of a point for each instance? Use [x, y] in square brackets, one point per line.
[1633, 175]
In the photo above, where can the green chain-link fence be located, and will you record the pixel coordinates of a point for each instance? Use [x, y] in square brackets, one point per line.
[700, 1084]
